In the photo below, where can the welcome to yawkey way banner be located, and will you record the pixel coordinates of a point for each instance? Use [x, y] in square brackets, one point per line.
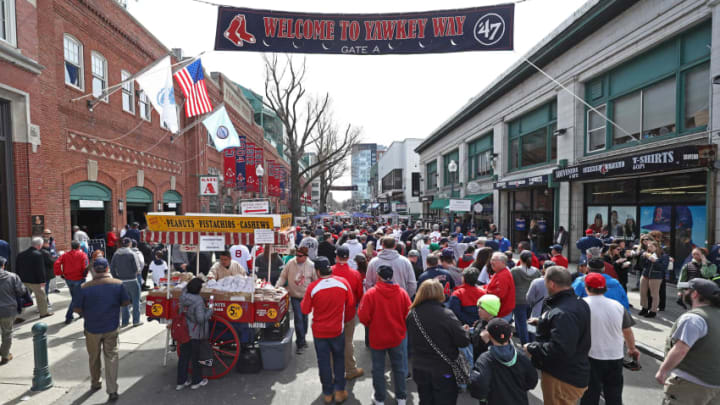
[471, 29]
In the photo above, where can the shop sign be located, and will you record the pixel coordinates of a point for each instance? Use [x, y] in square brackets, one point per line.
[427, 198]
[91, 204]
[459, 205]
[477, 208]
[520, 224]
[400, 207]
[190, 223]
[528, 182]
[542, 225]
[663, 160]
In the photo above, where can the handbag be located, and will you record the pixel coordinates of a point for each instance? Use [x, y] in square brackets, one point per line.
[459, 366]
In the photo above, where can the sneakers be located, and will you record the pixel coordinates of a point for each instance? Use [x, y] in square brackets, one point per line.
[181, 386]
[355, 374]
[402, 401]
[6, 360]
[376, 402]
[202, 383]
[341, 396]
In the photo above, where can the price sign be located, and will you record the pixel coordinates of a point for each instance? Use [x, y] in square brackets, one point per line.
[263, 236]
[156, 309]
[212, 243]
[272, 313]
[234, 311]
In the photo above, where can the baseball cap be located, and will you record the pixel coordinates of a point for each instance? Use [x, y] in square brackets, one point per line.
[322, 263]
[589, 231]
[444, 240]
[385, 272]
[434, 247]
[496, 233]
[448, 252]
[706, 288]
[595, 280]
[556, 247]
[413, 253]
[490, 303]
[100, 264]
[342, 252]
[597, 264]
[499, 329]
[127, 241]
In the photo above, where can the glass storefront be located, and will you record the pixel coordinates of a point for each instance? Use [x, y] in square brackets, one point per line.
[673, 205]
[527, 205]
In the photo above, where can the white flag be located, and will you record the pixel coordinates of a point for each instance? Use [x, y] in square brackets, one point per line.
[221, 129]
[157, 83]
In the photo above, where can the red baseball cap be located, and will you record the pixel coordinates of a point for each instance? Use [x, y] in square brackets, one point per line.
[595, 280]
[589, 231]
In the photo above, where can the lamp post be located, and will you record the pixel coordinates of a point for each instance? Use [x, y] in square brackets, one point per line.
[260, 172]
[452, 168]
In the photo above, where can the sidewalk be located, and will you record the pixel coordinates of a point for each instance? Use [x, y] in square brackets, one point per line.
[66, 351]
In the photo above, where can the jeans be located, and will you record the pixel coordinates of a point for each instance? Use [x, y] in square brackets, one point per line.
[133, 289]
[332, 374]
[74, 287]
[399, 369]
[606, 376]
[435, 388]
[189, 357]
[300, 321]
[520, 316]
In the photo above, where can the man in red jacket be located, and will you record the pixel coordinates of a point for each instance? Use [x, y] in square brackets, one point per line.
[502, 285]
[330, 298]
[72, 267]
[343, 269]
[383, 310]
[557, 257]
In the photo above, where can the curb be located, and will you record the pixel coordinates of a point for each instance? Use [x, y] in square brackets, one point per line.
[650, 351]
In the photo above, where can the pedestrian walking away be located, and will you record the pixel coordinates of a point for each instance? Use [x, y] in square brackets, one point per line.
[99, 302]
[31, 264]
[11, 289]
[331, 301]
[342, 269]
[72, 266]
[126, 267]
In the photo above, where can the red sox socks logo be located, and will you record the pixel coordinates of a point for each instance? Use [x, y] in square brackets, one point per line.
[237, 31]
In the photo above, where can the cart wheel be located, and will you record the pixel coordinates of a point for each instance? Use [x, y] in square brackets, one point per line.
[225, 344]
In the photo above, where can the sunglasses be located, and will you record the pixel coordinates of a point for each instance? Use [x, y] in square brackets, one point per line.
[300, 255]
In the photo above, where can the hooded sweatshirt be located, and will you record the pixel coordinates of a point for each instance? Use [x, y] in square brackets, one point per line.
[196, 314]
[502, 376]
[355, 248]
[522, 277]
[403, 273]
[383, 310]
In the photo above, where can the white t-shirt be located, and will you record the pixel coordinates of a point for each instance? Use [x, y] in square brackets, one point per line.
[606, 325]
[690, 329]
[240, 254]
[435, 237]
[157, 271]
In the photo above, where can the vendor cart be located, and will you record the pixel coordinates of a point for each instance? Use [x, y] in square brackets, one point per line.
[234, 312]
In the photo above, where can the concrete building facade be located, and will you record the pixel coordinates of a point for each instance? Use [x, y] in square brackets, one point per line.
[394, 173]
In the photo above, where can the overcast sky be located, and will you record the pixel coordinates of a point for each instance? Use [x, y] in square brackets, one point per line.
[391, 97]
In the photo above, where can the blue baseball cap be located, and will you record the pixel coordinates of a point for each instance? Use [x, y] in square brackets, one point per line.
[100, 264]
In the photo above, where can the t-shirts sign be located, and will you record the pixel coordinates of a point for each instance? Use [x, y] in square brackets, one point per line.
[208, 185]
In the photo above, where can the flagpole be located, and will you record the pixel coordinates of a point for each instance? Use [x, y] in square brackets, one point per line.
[194, 124]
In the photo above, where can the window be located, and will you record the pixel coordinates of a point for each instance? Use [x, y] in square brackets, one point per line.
[99, 75]
[480, 157]
[7, 21]
[450, 178]
[145, 107]
[431, 174]
[73, 62]
[392, 181]
[661, 93]
[532, 141]
[596, 129]
[128, 93]
[696, 97]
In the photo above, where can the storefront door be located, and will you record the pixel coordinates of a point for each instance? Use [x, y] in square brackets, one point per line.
[90, 206]
[532, 206]
[7, 189]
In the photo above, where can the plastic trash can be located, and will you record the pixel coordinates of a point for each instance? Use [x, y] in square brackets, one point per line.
[276, 355]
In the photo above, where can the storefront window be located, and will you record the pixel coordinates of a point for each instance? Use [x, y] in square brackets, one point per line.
[696, 96]
[534, 147]
[622, 221]
[621, 191]
[531, 140]
[522, 200]
[542, 200]
[596, 129]
[626, 114]
[683, 188]
[479, 157]
[431, 175]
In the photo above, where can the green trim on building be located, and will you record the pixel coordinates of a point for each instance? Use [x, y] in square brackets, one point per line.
[447, 158]
[531, 124]
[440, 204]
[139, 195]
[474, 198]
[171, 196]
[90, 190]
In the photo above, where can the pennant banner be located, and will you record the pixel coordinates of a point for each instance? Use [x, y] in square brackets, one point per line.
[472, 29]
[251, 183]
[240, 164]
[229, 167]
[271, 177]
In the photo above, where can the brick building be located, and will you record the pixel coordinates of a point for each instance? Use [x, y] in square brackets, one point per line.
[64, 163]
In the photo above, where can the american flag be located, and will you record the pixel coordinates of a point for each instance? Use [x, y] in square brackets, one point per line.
[192, 83]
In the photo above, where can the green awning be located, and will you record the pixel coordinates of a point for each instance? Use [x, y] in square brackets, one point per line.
[171, 196]
[474, 198]
[139, 195]
[89, 190]
[439, 204]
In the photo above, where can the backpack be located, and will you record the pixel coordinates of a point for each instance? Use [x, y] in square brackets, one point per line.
[179, 328]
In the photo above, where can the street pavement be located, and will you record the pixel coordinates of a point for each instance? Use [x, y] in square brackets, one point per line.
[143, 378]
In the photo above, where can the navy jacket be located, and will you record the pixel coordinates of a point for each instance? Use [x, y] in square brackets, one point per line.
[586, 242]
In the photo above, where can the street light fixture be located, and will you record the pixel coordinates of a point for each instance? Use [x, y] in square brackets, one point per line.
[452, 168]
[260, 172]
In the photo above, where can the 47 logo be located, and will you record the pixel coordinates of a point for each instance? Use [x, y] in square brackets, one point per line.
[489, 29]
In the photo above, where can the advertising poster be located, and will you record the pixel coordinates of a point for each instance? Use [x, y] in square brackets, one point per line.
[690, 230]
[622, 221]
[596, 218]
[520, 224]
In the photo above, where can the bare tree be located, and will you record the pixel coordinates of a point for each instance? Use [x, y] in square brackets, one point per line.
[327, 142]
[286, 95]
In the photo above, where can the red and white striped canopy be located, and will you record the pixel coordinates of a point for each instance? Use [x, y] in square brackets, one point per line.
[283, 238]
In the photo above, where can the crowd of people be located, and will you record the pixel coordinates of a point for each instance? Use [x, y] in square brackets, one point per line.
[442, 305]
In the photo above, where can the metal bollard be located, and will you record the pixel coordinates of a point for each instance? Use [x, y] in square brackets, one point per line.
[42, 379]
